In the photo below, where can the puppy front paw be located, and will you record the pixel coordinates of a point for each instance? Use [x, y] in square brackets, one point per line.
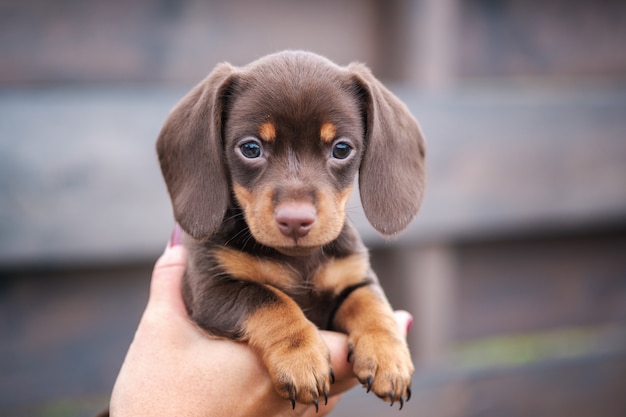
[382, 363]
[300, 367]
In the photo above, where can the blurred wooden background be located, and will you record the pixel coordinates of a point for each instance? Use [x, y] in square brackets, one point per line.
[515, 269]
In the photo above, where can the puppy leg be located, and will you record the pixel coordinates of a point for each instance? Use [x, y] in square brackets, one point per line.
[292, 349]
[290, 346]
[378, 352]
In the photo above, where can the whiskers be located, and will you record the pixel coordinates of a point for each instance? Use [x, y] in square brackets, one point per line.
[243, 234]
[353, 209]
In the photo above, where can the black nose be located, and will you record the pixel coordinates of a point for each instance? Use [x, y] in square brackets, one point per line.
[295, 220]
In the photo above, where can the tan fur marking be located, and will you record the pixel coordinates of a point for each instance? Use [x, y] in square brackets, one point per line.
[338, 274]
[267, 131]
[258, 209]
[275, 322]
[378, 348]
[328, 132]
[259, 213]
[343, 197]
[290, 346]
[244, 197]
[263, 271]
[365, 309]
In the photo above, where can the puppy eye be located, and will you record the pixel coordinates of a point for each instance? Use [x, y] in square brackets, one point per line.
[251, 149]
[341, 150]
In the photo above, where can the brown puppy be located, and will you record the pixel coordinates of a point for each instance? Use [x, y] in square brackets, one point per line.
[259, 162]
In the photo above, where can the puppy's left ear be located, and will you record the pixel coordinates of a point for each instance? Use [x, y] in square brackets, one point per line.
[392, 173]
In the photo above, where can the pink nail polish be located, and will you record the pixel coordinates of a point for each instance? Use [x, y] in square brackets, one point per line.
[176, 238]
[409, 323]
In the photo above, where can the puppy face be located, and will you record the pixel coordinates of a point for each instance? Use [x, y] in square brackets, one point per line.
[293, 143]
[283, 138]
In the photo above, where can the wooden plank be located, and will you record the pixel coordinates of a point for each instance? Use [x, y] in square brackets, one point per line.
[79, 179]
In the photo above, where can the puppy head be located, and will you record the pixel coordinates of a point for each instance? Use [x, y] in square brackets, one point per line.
[286, 136]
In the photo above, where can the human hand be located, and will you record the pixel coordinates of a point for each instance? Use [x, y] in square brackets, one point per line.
[174, 368]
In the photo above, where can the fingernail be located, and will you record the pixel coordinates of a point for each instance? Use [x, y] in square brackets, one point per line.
[176, 238]
[409, 323]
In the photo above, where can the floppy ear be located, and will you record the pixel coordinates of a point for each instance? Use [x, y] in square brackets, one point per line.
[191, 155]
[392, 174]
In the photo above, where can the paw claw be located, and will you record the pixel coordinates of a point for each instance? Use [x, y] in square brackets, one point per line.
[332, 377]
[384, 367]
[302, 375]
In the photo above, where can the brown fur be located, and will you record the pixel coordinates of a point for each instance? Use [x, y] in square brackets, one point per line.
[272, 256]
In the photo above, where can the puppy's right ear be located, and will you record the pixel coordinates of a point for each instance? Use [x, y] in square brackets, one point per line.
[191, 155]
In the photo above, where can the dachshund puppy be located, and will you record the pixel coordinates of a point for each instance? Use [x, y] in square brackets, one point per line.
[259, 162]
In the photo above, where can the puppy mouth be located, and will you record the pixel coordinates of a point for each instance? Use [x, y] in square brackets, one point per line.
[290, 245]
[296, 250]
[292, 226]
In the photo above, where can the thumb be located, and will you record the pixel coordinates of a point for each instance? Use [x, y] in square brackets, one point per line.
[167, 276]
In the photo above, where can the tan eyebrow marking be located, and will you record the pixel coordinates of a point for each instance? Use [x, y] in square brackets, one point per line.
[267, 131]
[328, 132]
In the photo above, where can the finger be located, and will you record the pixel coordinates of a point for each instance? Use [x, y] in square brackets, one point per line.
[338, 345]
[176, 239]
[404, 320]
[344, 377]
[165, 287]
